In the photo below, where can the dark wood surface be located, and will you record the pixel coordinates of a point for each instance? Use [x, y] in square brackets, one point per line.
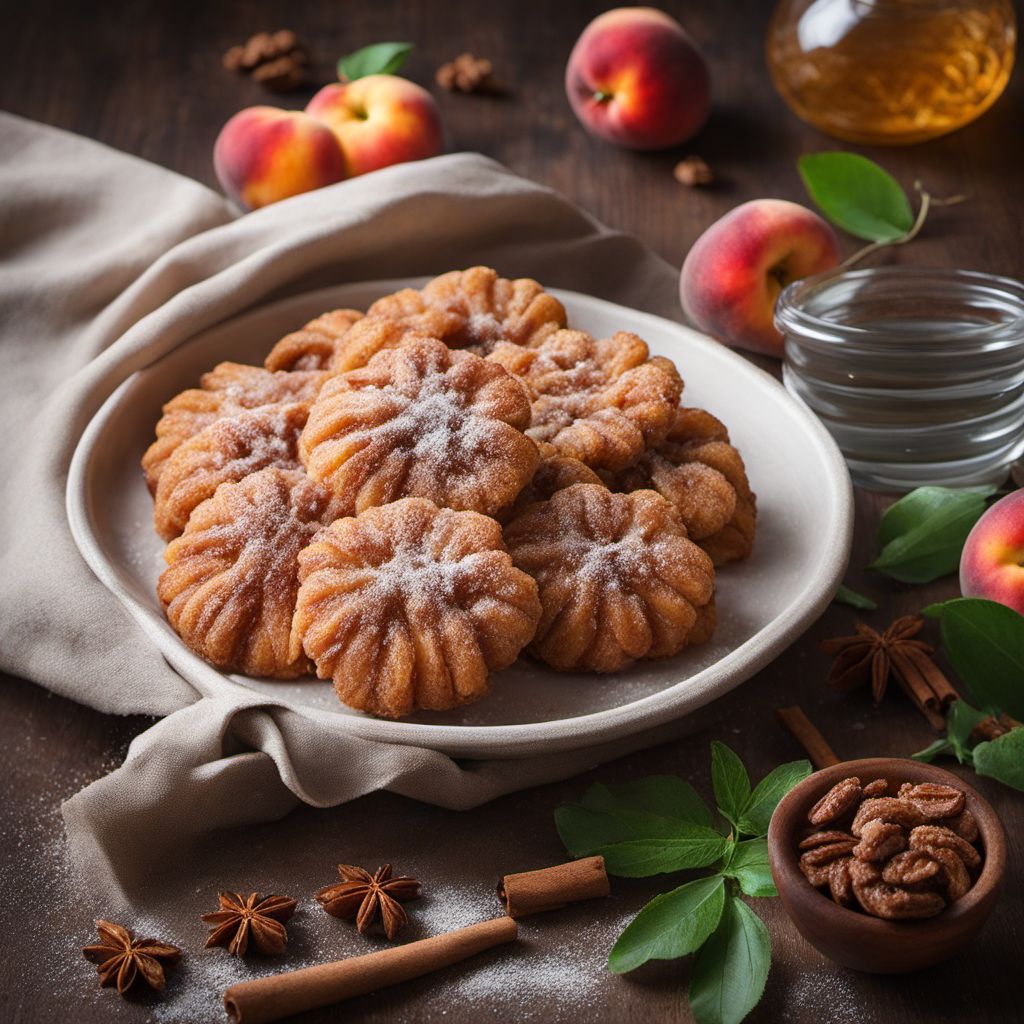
[146, 78]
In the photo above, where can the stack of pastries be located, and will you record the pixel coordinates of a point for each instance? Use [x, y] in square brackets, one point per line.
[403, 501]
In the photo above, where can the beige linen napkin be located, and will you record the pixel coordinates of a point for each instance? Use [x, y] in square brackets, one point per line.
[107, 264]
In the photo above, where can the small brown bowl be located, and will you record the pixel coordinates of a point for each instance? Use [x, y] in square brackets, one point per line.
[851, 937]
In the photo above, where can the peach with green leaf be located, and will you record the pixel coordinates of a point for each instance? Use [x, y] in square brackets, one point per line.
[992, 563]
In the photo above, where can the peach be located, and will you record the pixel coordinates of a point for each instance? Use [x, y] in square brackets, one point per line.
[734, 272]
[637, 79]
[264, 154]
[992, 562]
[379, 120]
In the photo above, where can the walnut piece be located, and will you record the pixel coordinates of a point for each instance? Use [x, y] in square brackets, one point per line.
[469, 74]
[693, 170]
[275, 59]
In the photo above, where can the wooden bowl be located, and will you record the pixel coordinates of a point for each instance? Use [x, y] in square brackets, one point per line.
[851, 937]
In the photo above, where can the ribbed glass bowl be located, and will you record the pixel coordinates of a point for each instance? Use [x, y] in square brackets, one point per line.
[918, 374]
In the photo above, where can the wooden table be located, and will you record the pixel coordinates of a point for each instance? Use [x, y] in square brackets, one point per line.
[146, 78]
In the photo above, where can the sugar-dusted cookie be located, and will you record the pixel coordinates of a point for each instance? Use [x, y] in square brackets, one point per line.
[421, 420]
[231, 578]
[228, 449]
[227, 390]
[618, 578]
[314, 346]
[600, 401]
[410, 606]
[703, 475]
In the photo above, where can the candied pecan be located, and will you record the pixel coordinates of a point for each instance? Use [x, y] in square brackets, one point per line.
[880, 840]
[934, 800]
[840, 882]
[911, 868]
[876, 787]
[965, 825]
[836, 802]
[954, 876]
[826, 849]
[932, 837]
[905, 788]
[886, 808]
[894, 903]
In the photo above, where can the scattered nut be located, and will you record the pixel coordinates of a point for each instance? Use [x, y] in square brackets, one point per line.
[880, 840]
[693, 171]
[468, 74]
[276, 60]
[836, 802]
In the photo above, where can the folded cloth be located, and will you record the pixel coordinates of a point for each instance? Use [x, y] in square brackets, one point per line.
[108, 263]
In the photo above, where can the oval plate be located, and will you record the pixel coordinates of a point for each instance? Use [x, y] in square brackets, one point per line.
[805, 517]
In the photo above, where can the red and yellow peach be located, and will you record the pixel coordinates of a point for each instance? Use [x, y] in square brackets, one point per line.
[992, 562]
[734, 272]
[637, 79]
[264, 154]
[379, 120]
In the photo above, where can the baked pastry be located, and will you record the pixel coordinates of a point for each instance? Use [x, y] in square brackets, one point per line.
[703, 475]
[231, 578]
[473, 309]
[421, 420]
[554, 472]
[314, 346]
[410, 606]
[602, 402]
[227, 449]
[227, 390]
[617, 577]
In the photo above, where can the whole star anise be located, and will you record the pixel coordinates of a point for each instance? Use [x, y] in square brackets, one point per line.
[363, 896]
[872, 658]
[259, 917]
[121, 959]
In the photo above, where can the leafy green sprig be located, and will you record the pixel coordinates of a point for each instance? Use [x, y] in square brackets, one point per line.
[376, 59]
[660, 824]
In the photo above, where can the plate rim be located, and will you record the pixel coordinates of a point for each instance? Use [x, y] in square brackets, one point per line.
[518, 739]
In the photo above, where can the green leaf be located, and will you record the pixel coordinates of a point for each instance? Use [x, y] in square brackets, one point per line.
[844, 595]
[932, 751]
[857, 195]
[657, 807]
[748, 864]
[730, 780]
[923, 534]
[984, 641]
[757, 811]
[694, 847]
[960, 723]
[1002, 759]
[671, 925]
[731, 968]
[376, 59]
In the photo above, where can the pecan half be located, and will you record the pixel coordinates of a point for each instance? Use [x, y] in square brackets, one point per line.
[894, 903]
[886, 808]
[965, 825]
[954, 876]
[936, 801]
[824, 848]
[840, 882]
[876, 787]
[932, 837]
[912, 868]
[880, 840]
[836, 802]
[905, 788]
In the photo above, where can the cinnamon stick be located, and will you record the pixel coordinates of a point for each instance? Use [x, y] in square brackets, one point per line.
[806, 733]
[917, 689]
[532, 892]
[281, 995]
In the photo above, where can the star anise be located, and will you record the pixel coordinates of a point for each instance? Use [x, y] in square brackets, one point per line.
[867, 656]
[363, 896]
[243, 917]
[122, 959]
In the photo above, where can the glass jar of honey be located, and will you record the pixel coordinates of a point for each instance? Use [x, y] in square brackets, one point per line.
[891, 71]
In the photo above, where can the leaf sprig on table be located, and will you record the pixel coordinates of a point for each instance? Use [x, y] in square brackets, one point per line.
[660, 824]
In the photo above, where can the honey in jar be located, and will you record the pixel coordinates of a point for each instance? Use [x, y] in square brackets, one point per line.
[891, 71]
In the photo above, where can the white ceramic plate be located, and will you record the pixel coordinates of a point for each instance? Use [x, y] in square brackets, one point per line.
[805, 514]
